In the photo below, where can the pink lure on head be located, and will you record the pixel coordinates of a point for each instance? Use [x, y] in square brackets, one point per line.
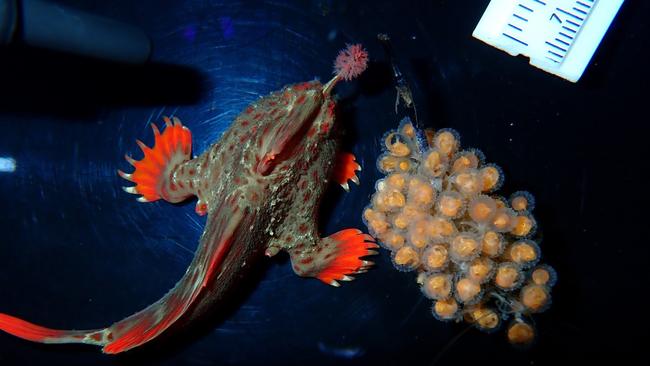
[351, 62]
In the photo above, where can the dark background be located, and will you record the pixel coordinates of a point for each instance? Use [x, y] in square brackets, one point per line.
[77, 252]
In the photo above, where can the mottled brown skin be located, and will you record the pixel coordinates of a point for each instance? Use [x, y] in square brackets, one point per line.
[260, 185]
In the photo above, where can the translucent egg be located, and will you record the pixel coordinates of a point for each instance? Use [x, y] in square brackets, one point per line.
[436, 257]
[492, 244]
[520, 333]
[467, 182]
[523, 252]
[467, 291]
[450, 204]
[524, 225]
[446, 141]
[406, 258]
[464, 247]
[437, 286]
[480, 270]
[508, 276]
[420, 192]
[446, 309]
[434, 164]
[482, 209]
[535, 297]
[491, 178]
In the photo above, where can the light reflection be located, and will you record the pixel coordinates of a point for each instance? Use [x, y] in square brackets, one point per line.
[7, 165]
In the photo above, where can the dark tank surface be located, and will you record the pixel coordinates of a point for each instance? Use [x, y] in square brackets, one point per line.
[77, 252]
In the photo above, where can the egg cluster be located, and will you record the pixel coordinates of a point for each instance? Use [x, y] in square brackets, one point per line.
[437, 213]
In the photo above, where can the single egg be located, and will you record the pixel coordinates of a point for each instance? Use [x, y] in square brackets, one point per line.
[437, 286]
[508, 276]
[520, 333]
[492, 244]
[524, 225]
[464, 247]
[446, 309]
[491, 177]
[467, 290]
[535, 297]
[436, 257]
[450, 204]
[406, 258]
[480, 269]
[482, 209]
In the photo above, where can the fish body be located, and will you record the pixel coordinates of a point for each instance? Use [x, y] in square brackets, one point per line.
[260, 186]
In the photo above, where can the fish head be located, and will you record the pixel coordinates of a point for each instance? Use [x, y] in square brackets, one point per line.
[297, 119]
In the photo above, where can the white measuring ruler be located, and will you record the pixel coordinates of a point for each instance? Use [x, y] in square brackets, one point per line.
[559, 36]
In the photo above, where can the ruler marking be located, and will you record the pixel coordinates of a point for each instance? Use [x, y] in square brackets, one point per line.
[556, 46]
[569, 29]
[527, 8]
[580, 11]
[520, 17]
[515, 39]
[566, 35]
[564, 43]
[569, 14]
[573, 23]
[559, 36]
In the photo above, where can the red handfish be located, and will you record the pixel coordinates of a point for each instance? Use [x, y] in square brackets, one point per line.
[260, 186]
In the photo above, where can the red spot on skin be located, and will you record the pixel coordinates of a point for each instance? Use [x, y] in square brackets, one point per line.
[172, 186]
[249, 110]
[302, 228]
[307, 260]
[243, 138]
[191, 172]
[311, 132]
[307, 196]
[301, 99]
[231, 147]
[244, 123]
[254, 129]
[302, 184]
[330, 109]
[191, 183]
[180, 184]
[109, 336]
[97, 337]
[273, 103]
[314, 175]
[257, 116]
[289, 238]
[302, 86]
[254, 197]
[325, 127]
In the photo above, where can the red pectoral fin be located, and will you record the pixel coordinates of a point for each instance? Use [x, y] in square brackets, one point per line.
[345, 169]
[218, 238]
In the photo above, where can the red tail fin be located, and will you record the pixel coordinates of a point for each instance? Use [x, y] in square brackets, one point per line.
[37, 333]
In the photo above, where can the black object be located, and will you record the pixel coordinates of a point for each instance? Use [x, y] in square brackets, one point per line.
[61, 28]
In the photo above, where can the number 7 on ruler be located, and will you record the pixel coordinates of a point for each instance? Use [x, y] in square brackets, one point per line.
[559, 36]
